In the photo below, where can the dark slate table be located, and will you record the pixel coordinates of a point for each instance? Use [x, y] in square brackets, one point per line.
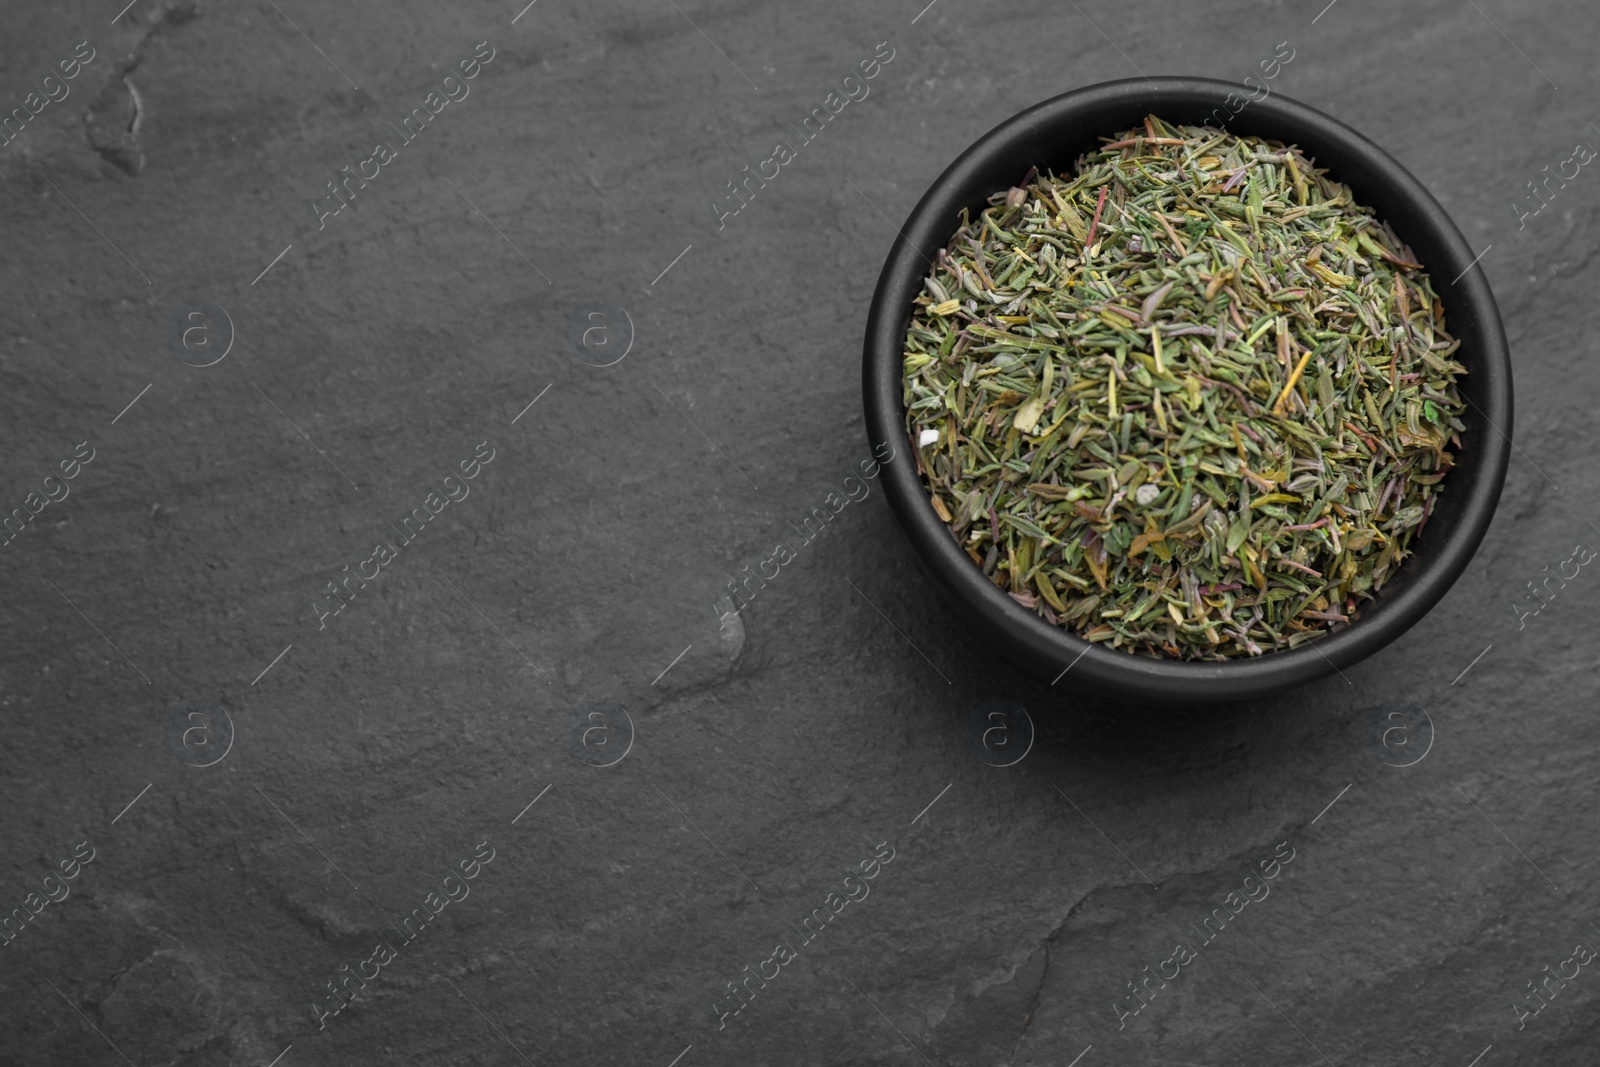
[512, 788]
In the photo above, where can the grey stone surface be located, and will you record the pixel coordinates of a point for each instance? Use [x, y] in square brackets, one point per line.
[300, 784]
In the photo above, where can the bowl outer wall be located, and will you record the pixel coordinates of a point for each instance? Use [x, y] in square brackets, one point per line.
[1052, 135]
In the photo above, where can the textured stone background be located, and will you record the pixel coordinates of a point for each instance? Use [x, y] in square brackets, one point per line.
[380, 750]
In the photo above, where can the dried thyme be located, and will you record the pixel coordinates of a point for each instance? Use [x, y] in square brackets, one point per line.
[1193, 402]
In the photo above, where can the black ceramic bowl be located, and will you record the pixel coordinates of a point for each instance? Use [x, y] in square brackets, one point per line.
[1052, 136]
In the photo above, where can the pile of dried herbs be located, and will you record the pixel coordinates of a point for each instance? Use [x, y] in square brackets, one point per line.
[1194, 401]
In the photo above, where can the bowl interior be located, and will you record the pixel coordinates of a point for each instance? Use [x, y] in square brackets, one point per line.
[1051, 136]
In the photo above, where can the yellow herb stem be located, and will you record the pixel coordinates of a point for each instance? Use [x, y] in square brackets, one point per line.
[1299, 369]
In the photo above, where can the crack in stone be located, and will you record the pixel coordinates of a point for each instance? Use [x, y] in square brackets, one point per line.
[1050, 939]
[118, 142]
[1038, 992]
[1047, 941]
[138, 108]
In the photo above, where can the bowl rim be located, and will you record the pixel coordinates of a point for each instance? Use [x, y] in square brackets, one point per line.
[1043, 648]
